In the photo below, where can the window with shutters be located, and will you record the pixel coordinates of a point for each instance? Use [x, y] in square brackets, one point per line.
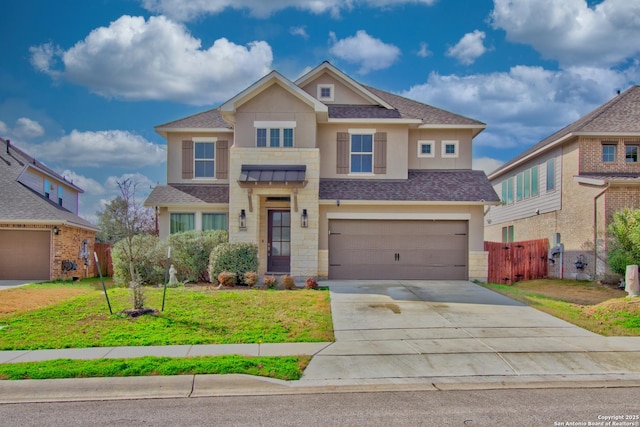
[204, 159]
[361, 154]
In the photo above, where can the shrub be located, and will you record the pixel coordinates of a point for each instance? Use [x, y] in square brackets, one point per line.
[288, 282]
[270, 282]
[624, 230]
[250, 278]
[236, 258]
[310, 283]
[149, 260]
[226, 278]
[190, 252]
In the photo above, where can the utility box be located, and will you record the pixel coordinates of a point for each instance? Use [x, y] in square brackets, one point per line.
[632, 282]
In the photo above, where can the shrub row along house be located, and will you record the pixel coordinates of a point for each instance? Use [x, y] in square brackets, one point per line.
[567, 187]
[331, 178]
[41, 235]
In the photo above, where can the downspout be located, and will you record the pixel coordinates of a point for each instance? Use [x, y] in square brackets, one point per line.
[595, 230]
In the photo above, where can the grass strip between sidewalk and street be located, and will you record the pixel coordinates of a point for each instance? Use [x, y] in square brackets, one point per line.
[284, 368]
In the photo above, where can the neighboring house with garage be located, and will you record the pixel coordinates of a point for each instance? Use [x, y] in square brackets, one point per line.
[567, 187]
[331, 178]
[41, 235]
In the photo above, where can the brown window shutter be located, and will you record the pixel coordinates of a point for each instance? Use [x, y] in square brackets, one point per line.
[342, 155]
[187, 159]
[380, 152]
[222, 160]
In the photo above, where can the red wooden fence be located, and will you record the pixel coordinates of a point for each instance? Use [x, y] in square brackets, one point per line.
[512, 262]
[103, 250]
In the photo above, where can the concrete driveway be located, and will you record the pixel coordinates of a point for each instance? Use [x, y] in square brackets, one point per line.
[401, 330]
[8, 284]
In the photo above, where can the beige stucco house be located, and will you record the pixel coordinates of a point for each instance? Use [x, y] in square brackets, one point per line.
[567, 187]
[331, 178]
[41, 235]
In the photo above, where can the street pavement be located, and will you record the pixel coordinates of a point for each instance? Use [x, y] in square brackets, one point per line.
[390, 335]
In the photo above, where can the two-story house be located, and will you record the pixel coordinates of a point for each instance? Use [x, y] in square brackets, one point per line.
[331, 178]
[41, 235]
[566, 187]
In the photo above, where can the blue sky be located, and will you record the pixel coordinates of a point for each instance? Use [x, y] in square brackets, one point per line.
[83, 83]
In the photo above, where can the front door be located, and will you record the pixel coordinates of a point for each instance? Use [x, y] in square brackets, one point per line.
[279, 245]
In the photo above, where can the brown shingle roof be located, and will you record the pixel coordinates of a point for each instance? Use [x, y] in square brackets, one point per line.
[362, 112]
[191, 194]
[423, 185]
[207, 119]
[619, 115]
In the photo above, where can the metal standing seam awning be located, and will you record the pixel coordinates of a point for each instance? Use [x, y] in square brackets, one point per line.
[270, 174]
[279, 175]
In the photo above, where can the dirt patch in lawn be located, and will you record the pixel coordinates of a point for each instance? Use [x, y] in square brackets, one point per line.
[21, 299]
[583, 293]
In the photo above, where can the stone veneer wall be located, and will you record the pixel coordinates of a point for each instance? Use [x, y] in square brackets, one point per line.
[479, 265]
[304, 241]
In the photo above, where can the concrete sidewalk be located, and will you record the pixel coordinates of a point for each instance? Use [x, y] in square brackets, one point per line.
[390, 335]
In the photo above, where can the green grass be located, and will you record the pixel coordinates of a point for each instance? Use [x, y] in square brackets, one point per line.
[191, 316]
[284, 368]
[606, 315]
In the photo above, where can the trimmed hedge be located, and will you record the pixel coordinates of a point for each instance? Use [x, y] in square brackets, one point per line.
[236, 258]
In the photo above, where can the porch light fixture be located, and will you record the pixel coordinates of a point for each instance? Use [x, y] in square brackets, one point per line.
[56, 230]
[243, 220]
[304, 219]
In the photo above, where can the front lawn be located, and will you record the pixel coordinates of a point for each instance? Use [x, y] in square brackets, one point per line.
[192, 315]
[597, 308]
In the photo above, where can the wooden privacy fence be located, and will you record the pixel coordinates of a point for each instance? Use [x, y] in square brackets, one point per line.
[512, 262]
[103, 250]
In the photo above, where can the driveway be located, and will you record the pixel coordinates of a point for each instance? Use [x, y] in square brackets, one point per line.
[8, 284]
[400, 330]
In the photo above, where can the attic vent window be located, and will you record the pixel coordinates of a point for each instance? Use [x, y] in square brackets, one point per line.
[325, 92]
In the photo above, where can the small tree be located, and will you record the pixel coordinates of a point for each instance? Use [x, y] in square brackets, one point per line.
[112, 220]
[624, 232]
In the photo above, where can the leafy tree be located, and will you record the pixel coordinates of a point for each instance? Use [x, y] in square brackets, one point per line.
[624, 232]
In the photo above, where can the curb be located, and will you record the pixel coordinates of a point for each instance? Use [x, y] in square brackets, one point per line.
[194, 386]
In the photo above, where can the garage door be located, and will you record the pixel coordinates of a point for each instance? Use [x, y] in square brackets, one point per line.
[24, 254]
[375, 249]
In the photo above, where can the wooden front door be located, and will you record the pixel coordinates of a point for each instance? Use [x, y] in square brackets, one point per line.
[279, 245]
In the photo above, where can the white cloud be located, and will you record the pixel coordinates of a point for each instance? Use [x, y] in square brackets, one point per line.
[112, 148]
[362, 49]
[570, 31]
[186, 10]
[486, 164]
[469, 48]
[157, 59]
[28, 128]
[424, 50]
[89, 185]
[526, 104]
[299, 31]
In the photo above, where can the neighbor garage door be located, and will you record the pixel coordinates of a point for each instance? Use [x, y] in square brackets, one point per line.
[24, 254]
[376, 249]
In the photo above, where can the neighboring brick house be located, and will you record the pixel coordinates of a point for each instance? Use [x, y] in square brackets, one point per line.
[331, 178]
[41, 235]
[571, 183]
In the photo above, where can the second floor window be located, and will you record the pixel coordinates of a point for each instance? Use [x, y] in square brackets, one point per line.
[60, 193]
[274, 137]
[205, 159]
[608, 153]
[551, 175]
[47, 188]
[631, 153]
[361, 153]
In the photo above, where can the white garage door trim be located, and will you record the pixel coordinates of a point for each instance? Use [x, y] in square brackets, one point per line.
[400, 216]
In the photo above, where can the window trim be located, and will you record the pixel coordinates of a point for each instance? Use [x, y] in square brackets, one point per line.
[331, 92]
[204, 140]
[370, 132]
[607, 144]
[280, 126]
[635, 146]
[429, 142]
[444, 153]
